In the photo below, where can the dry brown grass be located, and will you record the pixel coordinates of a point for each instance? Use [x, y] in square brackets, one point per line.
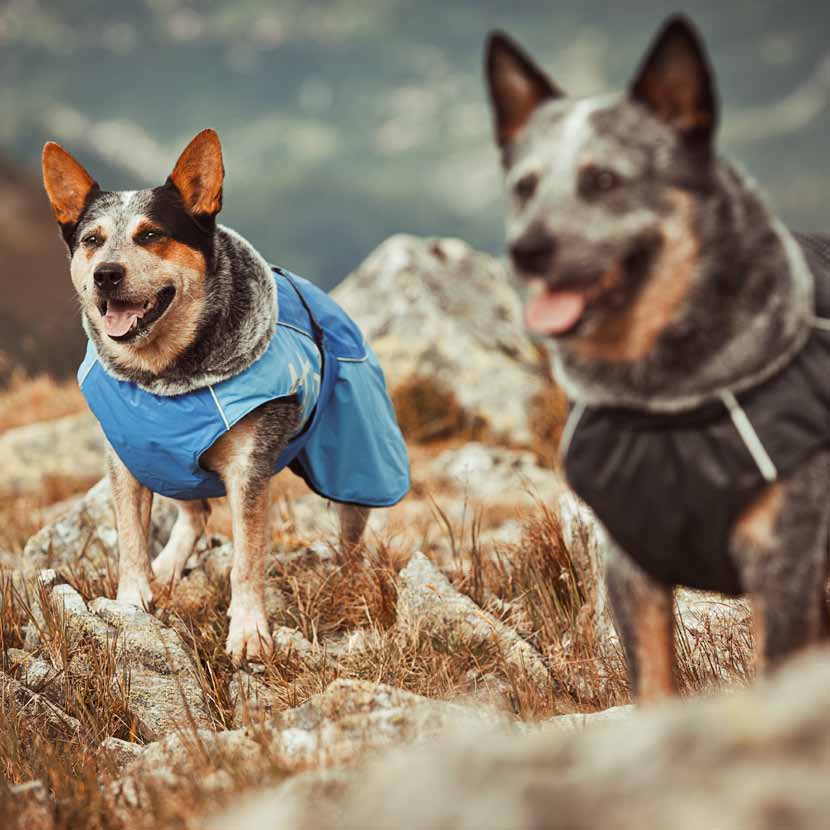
[543, 586]
[26, 400]
[429, 411]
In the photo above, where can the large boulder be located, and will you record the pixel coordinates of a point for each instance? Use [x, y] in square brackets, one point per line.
[339, 726]
[447, 326]
[752, 760]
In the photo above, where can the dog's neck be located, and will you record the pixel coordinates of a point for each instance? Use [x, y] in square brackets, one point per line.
[237, 323]
[747, 314]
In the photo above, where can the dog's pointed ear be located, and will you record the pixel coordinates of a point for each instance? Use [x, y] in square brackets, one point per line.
[676, 82]
[199, 174]
[67, 184]
[517, 86]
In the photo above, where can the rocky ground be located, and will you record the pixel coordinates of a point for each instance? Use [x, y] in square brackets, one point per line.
[458, 671]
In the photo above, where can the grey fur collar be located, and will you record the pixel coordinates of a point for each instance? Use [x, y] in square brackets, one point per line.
[238, 323]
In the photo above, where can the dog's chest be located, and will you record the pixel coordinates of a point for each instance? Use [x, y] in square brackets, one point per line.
[669, 488]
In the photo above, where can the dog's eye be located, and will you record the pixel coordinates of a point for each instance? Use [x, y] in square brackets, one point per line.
[148, 236]
[526, 186]
[92, 240]
[596, 180]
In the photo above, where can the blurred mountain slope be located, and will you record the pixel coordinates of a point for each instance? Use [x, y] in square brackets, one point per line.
[346, 122]
[39, 322]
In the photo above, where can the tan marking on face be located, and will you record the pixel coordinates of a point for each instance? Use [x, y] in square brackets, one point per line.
[629, 335]
[67, 183]
[655, 647]
[756, 525]
[152, 267]
[179, 254]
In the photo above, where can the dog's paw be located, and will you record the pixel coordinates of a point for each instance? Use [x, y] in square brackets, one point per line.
[137, 593]
[167, 570]
[249, 637]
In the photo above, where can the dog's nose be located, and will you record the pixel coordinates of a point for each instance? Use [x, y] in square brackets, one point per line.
[534, 253]
[108, 275]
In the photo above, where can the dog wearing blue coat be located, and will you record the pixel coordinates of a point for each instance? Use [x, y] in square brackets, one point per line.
[209, 371]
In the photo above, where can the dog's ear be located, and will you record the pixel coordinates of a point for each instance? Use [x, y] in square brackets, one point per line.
[676, 82]
[199, 173]
[67, 184]
[516, 84]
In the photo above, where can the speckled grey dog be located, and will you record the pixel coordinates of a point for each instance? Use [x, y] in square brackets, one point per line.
[209, 372]
[689, 331]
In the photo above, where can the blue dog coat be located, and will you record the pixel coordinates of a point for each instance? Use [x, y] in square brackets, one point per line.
[348, 448]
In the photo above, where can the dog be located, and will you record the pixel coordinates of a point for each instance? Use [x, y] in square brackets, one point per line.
[688, 328]
[209, 371]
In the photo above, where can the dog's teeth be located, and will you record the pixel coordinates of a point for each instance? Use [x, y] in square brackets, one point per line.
[536, 286]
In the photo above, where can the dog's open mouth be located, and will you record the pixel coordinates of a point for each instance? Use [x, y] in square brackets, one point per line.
[558, 310]
[124, 320]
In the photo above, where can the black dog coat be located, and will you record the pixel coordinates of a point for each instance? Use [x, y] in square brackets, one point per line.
[669, 487]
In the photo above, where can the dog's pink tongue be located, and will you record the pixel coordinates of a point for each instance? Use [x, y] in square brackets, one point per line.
[120, 317]
[554, 312]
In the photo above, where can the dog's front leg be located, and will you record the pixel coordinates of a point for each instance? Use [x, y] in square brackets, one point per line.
[643, 612]
[249, 635]
[133, 503]
[244, 457]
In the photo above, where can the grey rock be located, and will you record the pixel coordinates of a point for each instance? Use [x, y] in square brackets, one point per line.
[494, 472]
[353, 642]
[35, 592]
[37, 708]
[70, 449]
[441, 311]
[155, 670]
[38, 675]
[120, 754]
[253, 701]
[746, 761]
[85, 539]
[584, 720]
[353, 717]
[290, 643]
[338, 726]
[428, 604]
[169, 765]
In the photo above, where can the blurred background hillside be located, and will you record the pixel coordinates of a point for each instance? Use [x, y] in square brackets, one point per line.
[344, 122]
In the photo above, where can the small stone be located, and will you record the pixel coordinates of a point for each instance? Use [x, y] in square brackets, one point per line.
[119, 753]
